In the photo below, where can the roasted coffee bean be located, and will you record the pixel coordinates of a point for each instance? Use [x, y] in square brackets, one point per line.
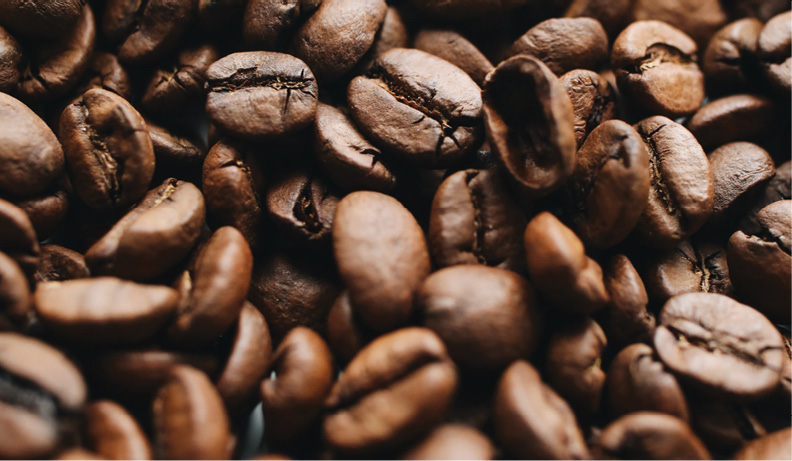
[114, 433]
[574, 358]
[46, 212]
[108, 150]
[213, 289]
[625, 318]
[453, 441]
[638, 381]
[700, 20]
[145, 31]
[593, 100]
[372, 230]
[42, 392]
[564, 44]
[760, 264]
[104, 310]
[302, 206]
[728, 61]
[190, 421]
[720, 345]
[265, 22]
[691, 267]
[11, 56]
[152, 237]
[173, 90]
[260, 94]
[337, 35]
[486, 317]
[777, 445]
[612, 14]
[391, 34]
[395, 389]
[474, 220]
[176, 154]
[348, 158]
[779, 187]
[303, 374]
[418, 108]
[346, 335]
[17, 237]
[535, 137]
[681, 192]
[721, 423]
[15, 298]
[773, 49]
[30, 154]
[40, 18]
[58, 264]
[560, 269]
[649, 435]
[739, 117]
[456, 49]
[532, 421]
[739, 171]
[105, 72]
[655, 64]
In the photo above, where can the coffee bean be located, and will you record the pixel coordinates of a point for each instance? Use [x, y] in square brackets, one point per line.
[40, 18]
[453, 441]
[391, 34]
[260, 94]
[649, 435]
[173, 90]
[593, 100]
[681, 192]
[177, 154]
[625, 318]
[487, 317]
[58, 264]
[46, 212]
[728, 61]
[772, 446]
[655, 64]
[303, 375]
[739, 171]
[779, 187]
[346, 335]
[394, 390]
[773, 51]
[474, 220]
[108, 150]
[11, 56]
[114, 433]
[699, 20]
[265, 22]
[534, 139]
[456, 49]
[721, 423]
[433, 115]
[17, 237]
[105, 72]
[372, 230]
[15, 298]
[720, 345]
[691, 267]
[532, 421]
[145, 31]
[739, 117]
[190, 421]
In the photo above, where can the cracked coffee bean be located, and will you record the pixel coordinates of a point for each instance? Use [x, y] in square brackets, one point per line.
[107, 73]
[691, 267]
[773, 49]
[172, 91]
[625, 319]
[593, 101]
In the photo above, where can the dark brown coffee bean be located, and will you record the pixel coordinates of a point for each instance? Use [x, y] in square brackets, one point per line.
[40, 18]
[655, 64]
[108, 150]
[700, 19]
[15, 298]
[681, 192]
[152, 237]
[564, 44]
[348, 158]
[720, 345]
[391, 34]
[691, 267]
[372, 230]
[30, 154]
[456, 49]
[593, 100]
[433, 115]
[104, 310]
[145, 31]
[625, 318]
[17, 237]
[265, 22]
[11, 56]
[177, 154]
[611, 14]
[107, 73]
[779, 187]
[532, 421]
[638, 381]
[337, 35]
[190, 421]
[574, 358]
[303, 375]
[474, 220]
[610, 184]
[773, 49]
[723, 424]
[293, 289]
[58, 264]
[760, 264]
[777, 445]
[172, 90]
[302, 206]
[48, 211]
[649, 435]
[393, 391]
[453, 441]
[729, 58]
[42, 390]
[114, 433]
[487, 317]
[560, 269]
[213, 289]
[739, 171]
[260, 94]
[739, 117]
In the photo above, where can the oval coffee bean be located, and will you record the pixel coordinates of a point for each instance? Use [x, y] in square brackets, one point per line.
[15, 297]
[739, 117]
[173, 90]
[457, 50]
[104, 310]
[58, 264]
[777, 445]
[392, 34]
[40, 18]
[535, 139]
[47, 212]
[108, 150]
[346, 335]
[260, 94]
[739, 171]
[114, 433]
[372, 230]
[395, 389]
[773, 49]
[648, 435]
[10, 61]
[720, 345]
[265, 22]
[728, 59]
[453, 441]
[779, 187]
[107, 73]
[593, 100]
[689, 268]
[625, 319]
[147, 30]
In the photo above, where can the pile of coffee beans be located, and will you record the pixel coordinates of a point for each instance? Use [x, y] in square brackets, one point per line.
[399, 229]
